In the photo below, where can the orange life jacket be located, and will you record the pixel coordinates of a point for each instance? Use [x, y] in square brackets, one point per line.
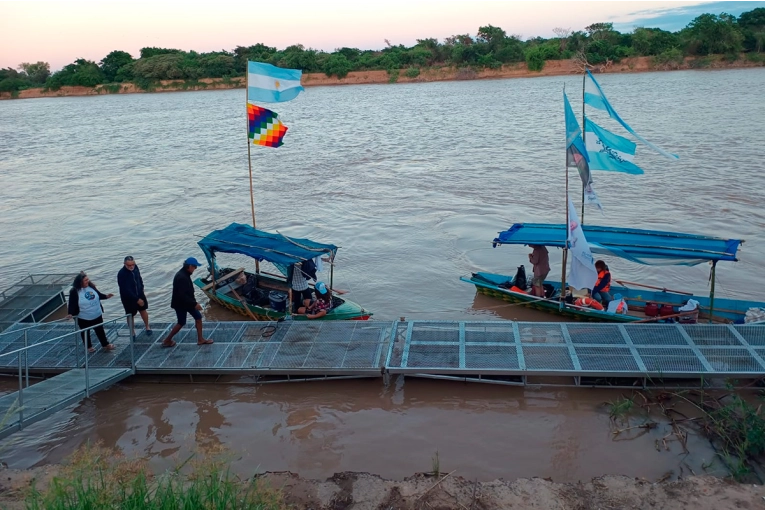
[600, 277]
[588, 301]
[517, 289]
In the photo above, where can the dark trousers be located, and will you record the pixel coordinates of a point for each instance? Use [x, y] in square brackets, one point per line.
[100, 333]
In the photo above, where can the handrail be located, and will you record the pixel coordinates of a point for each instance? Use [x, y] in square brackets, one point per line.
[35, 325]
[19, 410]
[64, 335]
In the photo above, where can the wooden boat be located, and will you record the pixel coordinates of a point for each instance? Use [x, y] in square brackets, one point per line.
[640, 246]
[260, 295]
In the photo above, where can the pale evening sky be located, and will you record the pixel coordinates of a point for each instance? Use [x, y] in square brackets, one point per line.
[59, 32]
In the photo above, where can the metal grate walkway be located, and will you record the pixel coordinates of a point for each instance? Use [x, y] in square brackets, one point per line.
[40, 400]
[577, 349]
[372, 348]
[33, 299]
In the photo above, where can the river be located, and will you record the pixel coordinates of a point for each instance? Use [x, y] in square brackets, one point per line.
[412, 181]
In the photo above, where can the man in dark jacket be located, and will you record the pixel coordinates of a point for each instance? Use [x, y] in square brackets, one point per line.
[184, 302]
[132, 293]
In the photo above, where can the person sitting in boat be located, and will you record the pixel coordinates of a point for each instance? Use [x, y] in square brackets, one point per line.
[540, 259]
[321, 306]
[603, 284]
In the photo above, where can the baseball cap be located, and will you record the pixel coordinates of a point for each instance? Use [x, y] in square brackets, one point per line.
[321, 288]
[191, 261]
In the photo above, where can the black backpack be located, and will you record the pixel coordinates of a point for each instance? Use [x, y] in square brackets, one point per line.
[308, 267]
[520, 278]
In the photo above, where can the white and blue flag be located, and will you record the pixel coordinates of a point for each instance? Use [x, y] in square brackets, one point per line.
[271, 84]
[594, 96]
[583, 274]
[607, 151]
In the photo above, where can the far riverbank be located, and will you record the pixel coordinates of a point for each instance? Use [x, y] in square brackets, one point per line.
[520, 70]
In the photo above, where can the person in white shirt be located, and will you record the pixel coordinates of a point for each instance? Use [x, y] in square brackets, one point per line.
[85, 305]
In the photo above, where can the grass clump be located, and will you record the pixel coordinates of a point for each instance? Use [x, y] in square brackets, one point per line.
[435, 463]
[620, 408]
[97, 478]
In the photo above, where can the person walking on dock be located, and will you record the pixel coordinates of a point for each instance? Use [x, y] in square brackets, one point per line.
[132, 293]
[85, 305]
[184, 302]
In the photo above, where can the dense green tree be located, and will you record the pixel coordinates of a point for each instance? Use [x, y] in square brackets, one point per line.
[159, 67]
[257, 53]
[709, 34]
[37, 73]
[338, 65]
[215, 65]
[151, 52]
[81, 72]
[113, 62]
[752, 24]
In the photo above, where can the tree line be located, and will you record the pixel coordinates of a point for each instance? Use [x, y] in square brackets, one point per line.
[491, 47]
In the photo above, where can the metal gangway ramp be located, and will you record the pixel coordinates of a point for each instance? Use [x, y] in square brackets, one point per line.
[32, 403]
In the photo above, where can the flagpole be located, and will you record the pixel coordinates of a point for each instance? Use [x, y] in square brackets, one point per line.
[565, 244]
[584, 138]
[249, 158]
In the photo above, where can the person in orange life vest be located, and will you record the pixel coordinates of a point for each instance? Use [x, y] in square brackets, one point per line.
[603, 285]
[540, 259]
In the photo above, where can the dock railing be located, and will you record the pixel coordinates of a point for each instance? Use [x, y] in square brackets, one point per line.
[23, 358]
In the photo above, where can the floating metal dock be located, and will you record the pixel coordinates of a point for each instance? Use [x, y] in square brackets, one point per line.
[431, 348]
[33, 299]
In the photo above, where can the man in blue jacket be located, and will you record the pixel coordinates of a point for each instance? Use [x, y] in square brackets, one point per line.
[185, 303]
[132, 293]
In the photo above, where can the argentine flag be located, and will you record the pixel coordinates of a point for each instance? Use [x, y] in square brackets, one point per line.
[608, 151]
[271, 84]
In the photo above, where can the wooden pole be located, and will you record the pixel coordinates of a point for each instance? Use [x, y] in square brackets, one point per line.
[565, 245]
[584, 134]
[712, 292]
[249, 158]
[332, 272]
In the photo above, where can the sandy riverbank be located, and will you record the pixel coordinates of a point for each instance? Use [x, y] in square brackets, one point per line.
[359, 491]
[552, 68]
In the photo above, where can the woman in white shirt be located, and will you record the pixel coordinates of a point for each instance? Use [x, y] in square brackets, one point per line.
[85, 304]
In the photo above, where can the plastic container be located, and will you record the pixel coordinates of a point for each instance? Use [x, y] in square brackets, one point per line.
[278, 300]
[651, 309]
[666, 310]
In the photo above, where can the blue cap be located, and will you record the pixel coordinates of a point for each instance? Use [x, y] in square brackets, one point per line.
[321, 288]
[191, 261]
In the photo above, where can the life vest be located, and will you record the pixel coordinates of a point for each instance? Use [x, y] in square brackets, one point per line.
[516, 289]
[601, 275]
[588, 301]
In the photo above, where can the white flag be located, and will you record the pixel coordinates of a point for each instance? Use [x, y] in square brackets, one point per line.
[583, 274]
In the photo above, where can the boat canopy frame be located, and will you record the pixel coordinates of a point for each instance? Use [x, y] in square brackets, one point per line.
[260, 245]
[650, 247]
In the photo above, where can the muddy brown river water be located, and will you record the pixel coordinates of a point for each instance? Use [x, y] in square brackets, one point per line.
[412, 182]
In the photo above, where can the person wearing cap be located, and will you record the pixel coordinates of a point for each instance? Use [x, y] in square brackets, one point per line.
[184, 302]
[321, 306]
[132, 292]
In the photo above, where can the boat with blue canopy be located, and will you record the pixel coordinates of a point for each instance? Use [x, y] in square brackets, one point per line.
[595, 148]
[262, 295]
[648, 247]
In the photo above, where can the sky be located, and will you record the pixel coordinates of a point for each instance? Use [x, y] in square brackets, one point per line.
[58, 32]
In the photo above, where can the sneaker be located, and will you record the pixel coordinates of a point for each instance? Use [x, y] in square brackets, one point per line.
[149, 332]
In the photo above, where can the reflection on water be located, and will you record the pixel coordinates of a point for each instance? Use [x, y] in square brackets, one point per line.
[321, 428]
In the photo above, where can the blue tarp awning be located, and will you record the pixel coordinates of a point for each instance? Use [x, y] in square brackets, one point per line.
[650, 247]
[260, 245]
